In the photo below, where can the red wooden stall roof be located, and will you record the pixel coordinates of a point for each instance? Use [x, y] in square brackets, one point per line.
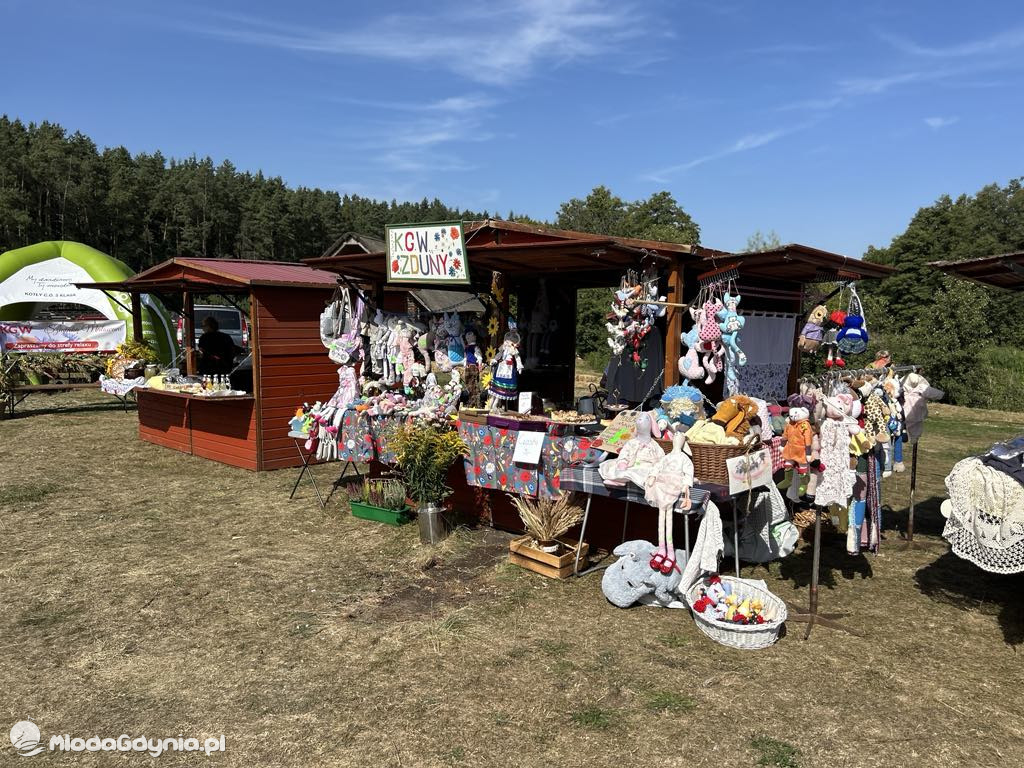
[182, 273]
[518, 249]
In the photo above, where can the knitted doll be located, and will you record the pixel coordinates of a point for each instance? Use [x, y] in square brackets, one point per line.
[828, 341]
[507, 365]
[812, 333]
[836, 483]
[797, 440]
[456, 349]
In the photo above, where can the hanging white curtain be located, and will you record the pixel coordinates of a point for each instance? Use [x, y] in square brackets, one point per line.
[767, 341]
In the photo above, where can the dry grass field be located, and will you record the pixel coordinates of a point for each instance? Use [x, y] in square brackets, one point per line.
[149, 593]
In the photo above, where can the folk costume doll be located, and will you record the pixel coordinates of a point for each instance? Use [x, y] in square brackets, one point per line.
[667, 480]
[506, 365]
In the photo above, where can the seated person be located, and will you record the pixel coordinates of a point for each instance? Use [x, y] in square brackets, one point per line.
[216, 350]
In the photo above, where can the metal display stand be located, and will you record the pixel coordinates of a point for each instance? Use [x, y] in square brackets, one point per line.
[811, 615]
[910, 543]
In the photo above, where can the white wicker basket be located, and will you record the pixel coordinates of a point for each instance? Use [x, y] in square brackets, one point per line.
[742, 636]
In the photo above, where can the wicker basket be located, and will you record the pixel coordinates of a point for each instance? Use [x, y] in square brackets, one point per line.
[709, 460]
[742, 636]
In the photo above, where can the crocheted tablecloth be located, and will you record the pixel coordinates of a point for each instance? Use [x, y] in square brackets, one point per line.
[986, 521]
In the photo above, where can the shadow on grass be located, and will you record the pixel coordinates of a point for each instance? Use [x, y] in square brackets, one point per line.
[928, 520]
[834, 560]
[962, 584]
[24, 412]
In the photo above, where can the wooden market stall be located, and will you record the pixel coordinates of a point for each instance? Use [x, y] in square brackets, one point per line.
[531, 258]
[289, 364]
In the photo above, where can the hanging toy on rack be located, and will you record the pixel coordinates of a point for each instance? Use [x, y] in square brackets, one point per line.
[853, 336]
[730, 323]
[689, 363]
[828, 344]
[813, 331]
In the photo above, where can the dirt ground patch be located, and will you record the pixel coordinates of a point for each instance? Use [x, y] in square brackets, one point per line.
[151, 593]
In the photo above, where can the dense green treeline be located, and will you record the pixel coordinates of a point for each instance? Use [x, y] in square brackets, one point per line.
[146, 208]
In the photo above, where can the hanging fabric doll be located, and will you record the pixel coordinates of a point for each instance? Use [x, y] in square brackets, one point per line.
[916, 394]
[813, 330]
[711, 340]
[637, 456]
[456, 349]
[836, 482]
[440, 347]
[689, 363]
[853, 336]
[667, 480]
[893, 450]
[730, 323]
[471, 377]
[347, 390]
[406, 355]
[828, 342]
[797, 440]
[506, 366]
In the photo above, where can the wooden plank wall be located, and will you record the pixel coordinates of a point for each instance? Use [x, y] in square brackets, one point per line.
[291, 365]
[224, 431]
[164, 421]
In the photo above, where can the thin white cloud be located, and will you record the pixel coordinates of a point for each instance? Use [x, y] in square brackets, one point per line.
[742, 144]
[937, 123]
[998, 43]
[870, 86]
[495, 43]
[788, 49]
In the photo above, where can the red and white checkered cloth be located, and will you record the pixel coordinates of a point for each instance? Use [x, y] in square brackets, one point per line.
[775, 449]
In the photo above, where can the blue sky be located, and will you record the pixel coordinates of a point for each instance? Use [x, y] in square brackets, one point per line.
[831, 123]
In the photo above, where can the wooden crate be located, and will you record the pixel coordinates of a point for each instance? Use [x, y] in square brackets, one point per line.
[546, 564]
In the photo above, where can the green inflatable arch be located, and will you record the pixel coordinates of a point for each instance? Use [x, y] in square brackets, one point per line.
[83, 264]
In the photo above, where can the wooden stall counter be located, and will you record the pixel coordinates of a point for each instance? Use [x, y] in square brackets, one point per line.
[219, 428]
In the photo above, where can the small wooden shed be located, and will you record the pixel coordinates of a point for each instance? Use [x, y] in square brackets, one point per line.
[289, 363]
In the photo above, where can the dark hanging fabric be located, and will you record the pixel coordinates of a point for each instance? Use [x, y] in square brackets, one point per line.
[633, 382]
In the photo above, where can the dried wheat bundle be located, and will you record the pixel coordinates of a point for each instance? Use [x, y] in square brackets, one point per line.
[547, 519]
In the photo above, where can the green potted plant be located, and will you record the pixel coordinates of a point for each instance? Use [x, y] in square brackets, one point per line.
[381, 500]
[425, 454]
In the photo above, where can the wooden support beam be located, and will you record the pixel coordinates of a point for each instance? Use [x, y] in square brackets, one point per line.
[190, 334]
[673, 324]
[136, 316]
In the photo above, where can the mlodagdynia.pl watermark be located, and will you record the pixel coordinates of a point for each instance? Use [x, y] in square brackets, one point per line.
[27, 740]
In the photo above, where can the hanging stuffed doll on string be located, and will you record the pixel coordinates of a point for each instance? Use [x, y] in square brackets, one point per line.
[713, 342]
[634, 337]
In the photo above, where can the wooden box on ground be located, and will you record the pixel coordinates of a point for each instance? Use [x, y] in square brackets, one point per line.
[546, 564]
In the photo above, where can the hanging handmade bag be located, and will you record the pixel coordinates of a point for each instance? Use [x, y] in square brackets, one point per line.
[853, 336]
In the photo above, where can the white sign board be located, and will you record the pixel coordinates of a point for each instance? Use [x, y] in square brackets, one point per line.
[84, 336]
[750, 471]
[528, 447]
[427, 253]
[525, 402]
[52, 282]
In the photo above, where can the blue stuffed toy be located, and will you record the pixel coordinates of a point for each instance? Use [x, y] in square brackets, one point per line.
[730, 322]
[853, 336]
[680, 405]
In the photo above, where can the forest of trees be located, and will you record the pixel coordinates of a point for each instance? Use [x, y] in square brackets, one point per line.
[146, 208]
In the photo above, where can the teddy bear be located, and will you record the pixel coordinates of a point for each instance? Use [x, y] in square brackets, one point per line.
[813, 330]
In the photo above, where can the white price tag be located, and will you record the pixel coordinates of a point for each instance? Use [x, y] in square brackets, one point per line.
[525, 402]
[528, 447]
